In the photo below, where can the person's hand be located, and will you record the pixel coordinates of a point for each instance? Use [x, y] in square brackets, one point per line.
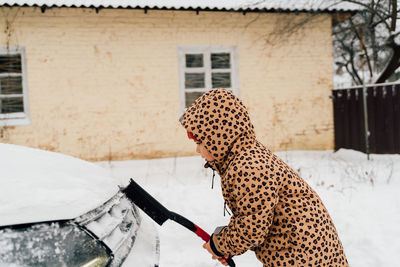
[222, 260]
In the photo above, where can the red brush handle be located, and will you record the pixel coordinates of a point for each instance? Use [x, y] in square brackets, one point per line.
[202, 234]
[195, 229]
[206, 237]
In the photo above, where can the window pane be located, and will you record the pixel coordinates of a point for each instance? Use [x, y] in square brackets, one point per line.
[194, 80]
[11, 105]
[10, 64]
[221, 79]
[191, 97]
[10, 85]
[220, 61]
[194, 60]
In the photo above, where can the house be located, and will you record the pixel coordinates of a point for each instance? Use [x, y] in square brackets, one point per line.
[108, 80]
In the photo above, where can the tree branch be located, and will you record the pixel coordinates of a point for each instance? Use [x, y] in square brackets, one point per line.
[392, 65]
[372, 11]
[394, 15]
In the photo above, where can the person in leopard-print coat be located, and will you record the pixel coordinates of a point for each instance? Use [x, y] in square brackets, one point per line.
[275, 212]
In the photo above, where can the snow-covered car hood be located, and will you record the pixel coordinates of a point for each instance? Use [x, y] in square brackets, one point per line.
[37, 185]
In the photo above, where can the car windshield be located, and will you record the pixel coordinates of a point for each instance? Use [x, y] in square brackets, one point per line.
[50, 244]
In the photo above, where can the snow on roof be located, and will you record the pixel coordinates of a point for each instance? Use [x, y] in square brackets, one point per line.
[236, 5]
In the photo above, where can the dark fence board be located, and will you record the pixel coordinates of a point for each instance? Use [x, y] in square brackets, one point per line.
[371, 119]
[380, 124]
[338, 111]
[396, 117]
[353, 120]
[346, 120]
[360, 116]
[389, 122]
[383, 109]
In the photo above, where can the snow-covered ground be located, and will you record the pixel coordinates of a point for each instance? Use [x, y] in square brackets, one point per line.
[363, 198]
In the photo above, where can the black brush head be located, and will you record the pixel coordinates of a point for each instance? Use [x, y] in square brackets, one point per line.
[146, 202]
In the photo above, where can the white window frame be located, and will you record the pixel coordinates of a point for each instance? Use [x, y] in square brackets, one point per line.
[206, 51]
[20, 118]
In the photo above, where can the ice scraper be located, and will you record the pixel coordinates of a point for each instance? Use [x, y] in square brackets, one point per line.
[159, 213]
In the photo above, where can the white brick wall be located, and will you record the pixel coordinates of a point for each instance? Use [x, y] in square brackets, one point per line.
[106, 86]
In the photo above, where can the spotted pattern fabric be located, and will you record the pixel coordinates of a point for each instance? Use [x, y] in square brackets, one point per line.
[275, 212]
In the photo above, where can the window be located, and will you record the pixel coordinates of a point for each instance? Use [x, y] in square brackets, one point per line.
[13, 91]
[206, 68]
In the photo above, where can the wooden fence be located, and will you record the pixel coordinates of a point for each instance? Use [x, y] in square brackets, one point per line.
[382, 118]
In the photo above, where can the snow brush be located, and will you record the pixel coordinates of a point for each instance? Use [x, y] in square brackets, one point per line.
[160, 214]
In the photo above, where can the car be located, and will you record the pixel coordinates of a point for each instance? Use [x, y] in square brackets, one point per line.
[57, 210]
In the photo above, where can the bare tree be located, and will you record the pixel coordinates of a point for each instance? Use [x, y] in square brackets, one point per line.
[366, 43]
[366, 40]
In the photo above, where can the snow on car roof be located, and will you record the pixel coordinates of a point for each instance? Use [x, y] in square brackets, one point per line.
[38, 185]
[237, 5]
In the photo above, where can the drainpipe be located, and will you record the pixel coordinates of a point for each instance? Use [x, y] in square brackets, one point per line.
[366, 128]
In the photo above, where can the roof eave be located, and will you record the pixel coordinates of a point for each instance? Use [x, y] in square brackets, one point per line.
[198, 9]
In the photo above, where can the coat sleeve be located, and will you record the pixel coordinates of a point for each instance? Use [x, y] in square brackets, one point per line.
[256, 197]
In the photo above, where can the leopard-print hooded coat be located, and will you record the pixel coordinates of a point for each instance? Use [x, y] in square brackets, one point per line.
[275, 212]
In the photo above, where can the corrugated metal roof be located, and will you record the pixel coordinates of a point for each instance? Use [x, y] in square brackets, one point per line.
[237, 5]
